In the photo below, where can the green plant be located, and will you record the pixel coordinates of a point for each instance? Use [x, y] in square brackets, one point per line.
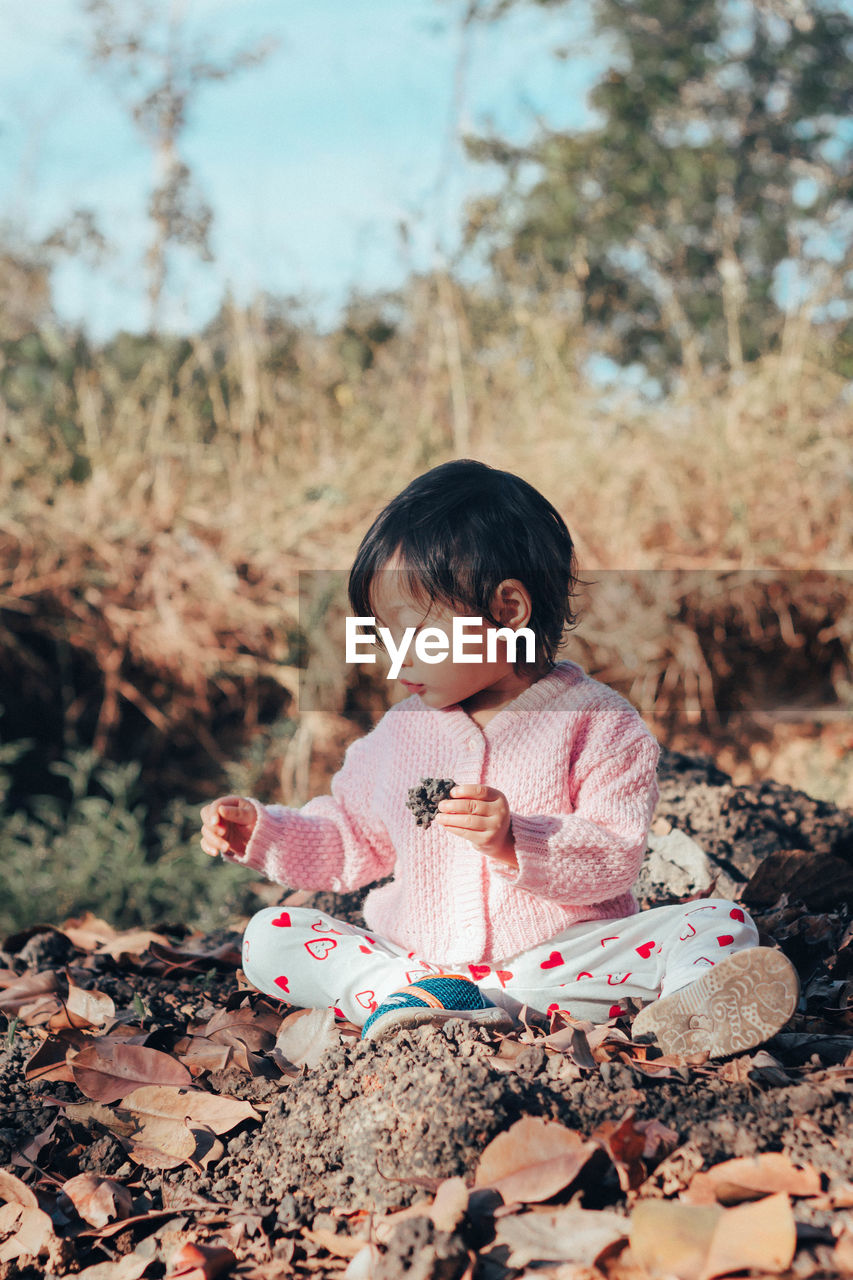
[88, 851]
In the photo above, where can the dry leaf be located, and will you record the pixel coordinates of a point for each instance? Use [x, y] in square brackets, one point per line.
[700, 1242]
[49, 1062]
[750, 1178]
[198, 1054]
[40, 1011]
[14, 1191]
[363, 1265]
[670, 1239]
[87, 1112]
[450, 1204]
[87, 932]
[338, 1246]
[98, 1200]
[257, 1030]
[130, 1267]
[29, 1229]
[23, 992]
[170, 1125]
[29, 1232]
[630, 1142]
[133, 942]
[533, 1160]
[571, 1234]
[110, 1069]
[88, 1008]
[305, 1036]
[200, 1262]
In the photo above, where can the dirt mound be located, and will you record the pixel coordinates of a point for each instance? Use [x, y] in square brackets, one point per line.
[366, 1128]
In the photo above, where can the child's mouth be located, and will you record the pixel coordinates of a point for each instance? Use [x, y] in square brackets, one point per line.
[414, 688]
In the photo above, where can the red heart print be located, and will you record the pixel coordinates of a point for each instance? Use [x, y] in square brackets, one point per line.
[614, 938]
[736, 914]
[646, 949]
[338, 1014]
[283, 921]
[320, 948]
[282, 982]
[503, 976]
[553, 960]
[583, 975]
[682, 937]
[616, 979]
[478, 971]
[555, 1008]
[615, 1011]
[320, 927]
[725, 939]
[367, 1000]
[366, 950]
[245, 948]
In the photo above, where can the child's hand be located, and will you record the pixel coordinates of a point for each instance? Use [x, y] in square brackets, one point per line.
[227, 825]
[481, 815]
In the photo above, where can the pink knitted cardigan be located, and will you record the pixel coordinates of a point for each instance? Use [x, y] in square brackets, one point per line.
[578, 768]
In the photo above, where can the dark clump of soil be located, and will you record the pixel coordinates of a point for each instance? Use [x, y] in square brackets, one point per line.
[423, 798]
[740, 826]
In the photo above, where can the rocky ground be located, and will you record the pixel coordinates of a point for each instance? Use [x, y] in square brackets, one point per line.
[161, 1118]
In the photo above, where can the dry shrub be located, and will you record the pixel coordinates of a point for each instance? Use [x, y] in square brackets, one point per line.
[155, 535]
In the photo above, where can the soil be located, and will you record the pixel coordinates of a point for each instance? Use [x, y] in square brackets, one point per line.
[370, 1128]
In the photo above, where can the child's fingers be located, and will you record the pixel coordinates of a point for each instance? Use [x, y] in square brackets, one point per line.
[240, 811]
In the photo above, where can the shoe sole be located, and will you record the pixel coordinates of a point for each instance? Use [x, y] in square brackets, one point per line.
[741, 1002]
[400, 1019]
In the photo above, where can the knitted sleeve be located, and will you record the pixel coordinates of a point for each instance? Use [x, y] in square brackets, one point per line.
[595, 852]
[334, 842]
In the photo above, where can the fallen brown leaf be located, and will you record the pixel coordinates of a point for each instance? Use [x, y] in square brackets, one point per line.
[570, 1234]
[14, 1191]
[25, 989]
[26, 1228]
[533, 1160]
[304, 1036]
[338, 1246]
[49, 1062]
[88, 1008]
[629, 1143]
[98, 1200]
[170, 1124]
[87, 932]
[750, 1178]
[699, 1242]
[200, 1262]
[130, 1267]
[133, 942]
[110, 1069]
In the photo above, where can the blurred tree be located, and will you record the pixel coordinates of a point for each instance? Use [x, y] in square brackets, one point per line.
[158, 64]
[720, 167]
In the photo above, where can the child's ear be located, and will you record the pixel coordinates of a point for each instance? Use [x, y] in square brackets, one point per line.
[512, 604]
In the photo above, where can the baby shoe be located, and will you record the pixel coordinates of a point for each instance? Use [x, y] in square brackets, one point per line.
[434, 999]
[738, 1004]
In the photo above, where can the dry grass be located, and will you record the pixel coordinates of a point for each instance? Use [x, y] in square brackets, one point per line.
[170, 569]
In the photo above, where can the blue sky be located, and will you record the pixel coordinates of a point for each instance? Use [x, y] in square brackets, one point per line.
[311, 161]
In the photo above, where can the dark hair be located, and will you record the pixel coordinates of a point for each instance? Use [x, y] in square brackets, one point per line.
[461, 528]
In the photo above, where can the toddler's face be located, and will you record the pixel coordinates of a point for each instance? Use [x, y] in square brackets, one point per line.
[443, 683]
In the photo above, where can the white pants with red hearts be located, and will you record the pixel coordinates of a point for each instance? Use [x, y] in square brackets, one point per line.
[314, 961]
